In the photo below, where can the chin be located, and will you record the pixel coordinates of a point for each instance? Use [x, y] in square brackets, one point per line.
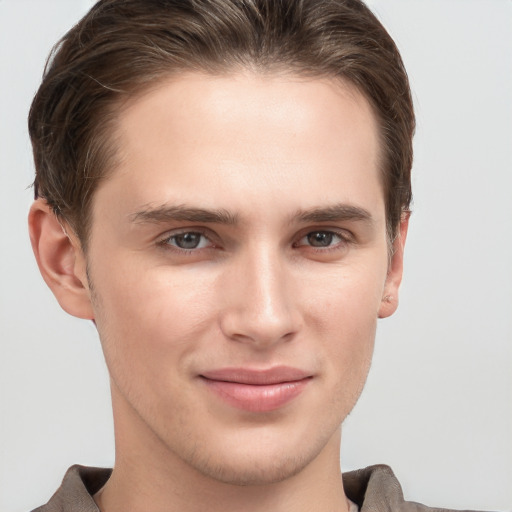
[251, 472]
[257, 460]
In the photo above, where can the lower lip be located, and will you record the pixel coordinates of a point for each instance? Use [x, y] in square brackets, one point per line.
[257, 398]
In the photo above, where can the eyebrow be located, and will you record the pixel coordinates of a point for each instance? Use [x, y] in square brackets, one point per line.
[165, 213]
[183, 213]
[335, 213]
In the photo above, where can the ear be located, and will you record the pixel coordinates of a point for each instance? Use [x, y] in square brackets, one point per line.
[389, 301]
[60, 259]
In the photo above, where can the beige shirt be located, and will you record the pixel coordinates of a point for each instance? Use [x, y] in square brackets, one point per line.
[373, 489]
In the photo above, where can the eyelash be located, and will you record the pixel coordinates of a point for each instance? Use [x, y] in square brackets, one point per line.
[345, 238]
[165, 242]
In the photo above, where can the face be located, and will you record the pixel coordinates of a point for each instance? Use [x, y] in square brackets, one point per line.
[238, 262]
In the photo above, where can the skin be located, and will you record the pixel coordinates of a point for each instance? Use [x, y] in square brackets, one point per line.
[292, 270]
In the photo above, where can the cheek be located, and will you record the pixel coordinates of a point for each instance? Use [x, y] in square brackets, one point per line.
[348, 336]
[145, 319]
[346, 299]
[349, 341]
[147, 300]
[345, 318]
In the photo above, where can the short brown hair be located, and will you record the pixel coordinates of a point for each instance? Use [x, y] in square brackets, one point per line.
[122, 46]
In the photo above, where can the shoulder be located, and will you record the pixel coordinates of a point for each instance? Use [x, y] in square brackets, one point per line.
[376, 489]
[75, 493]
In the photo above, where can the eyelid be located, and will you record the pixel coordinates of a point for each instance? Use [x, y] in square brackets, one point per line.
[346, 237]
[163, 240]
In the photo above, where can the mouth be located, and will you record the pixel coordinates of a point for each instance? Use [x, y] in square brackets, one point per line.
[257, 390]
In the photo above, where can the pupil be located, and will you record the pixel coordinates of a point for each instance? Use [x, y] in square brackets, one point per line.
[320, 239]
[188, 240]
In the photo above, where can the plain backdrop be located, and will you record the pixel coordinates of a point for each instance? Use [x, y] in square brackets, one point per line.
[438, 403]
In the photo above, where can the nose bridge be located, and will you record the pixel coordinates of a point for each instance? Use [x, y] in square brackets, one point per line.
[260, 308]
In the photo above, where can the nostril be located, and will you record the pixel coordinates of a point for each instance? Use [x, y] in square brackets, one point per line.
[242, 327]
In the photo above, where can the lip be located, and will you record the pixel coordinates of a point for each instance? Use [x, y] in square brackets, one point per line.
[257, 390]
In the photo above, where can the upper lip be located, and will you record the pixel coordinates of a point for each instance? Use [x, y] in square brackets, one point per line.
[257, 377]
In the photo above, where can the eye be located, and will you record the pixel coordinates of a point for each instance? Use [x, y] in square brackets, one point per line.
[188, 240]
[321, 239]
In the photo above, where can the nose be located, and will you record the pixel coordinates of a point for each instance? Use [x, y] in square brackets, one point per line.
[260, 306]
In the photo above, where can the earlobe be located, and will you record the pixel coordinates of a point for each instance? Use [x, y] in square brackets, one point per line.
[389, 302]
[60, 260]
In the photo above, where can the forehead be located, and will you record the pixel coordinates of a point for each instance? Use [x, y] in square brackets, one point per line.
[245, 138]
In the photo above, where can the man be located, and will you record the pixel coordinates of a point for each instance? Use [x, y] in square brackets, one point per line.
[223, 188]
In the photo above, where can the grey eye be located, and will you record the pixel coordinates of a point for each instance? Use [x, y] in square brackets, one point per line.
[188, 240]
[320, 238]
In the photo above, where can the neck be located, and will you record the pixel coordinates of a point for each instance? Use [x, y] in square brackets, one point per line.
[148, 476]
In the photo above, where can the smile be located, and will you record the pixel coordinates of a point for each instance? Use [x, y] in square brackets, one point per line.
[257, 390]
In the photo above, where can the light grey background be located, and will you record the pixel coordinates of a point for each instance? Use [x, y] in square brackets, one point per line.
[438, 404]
